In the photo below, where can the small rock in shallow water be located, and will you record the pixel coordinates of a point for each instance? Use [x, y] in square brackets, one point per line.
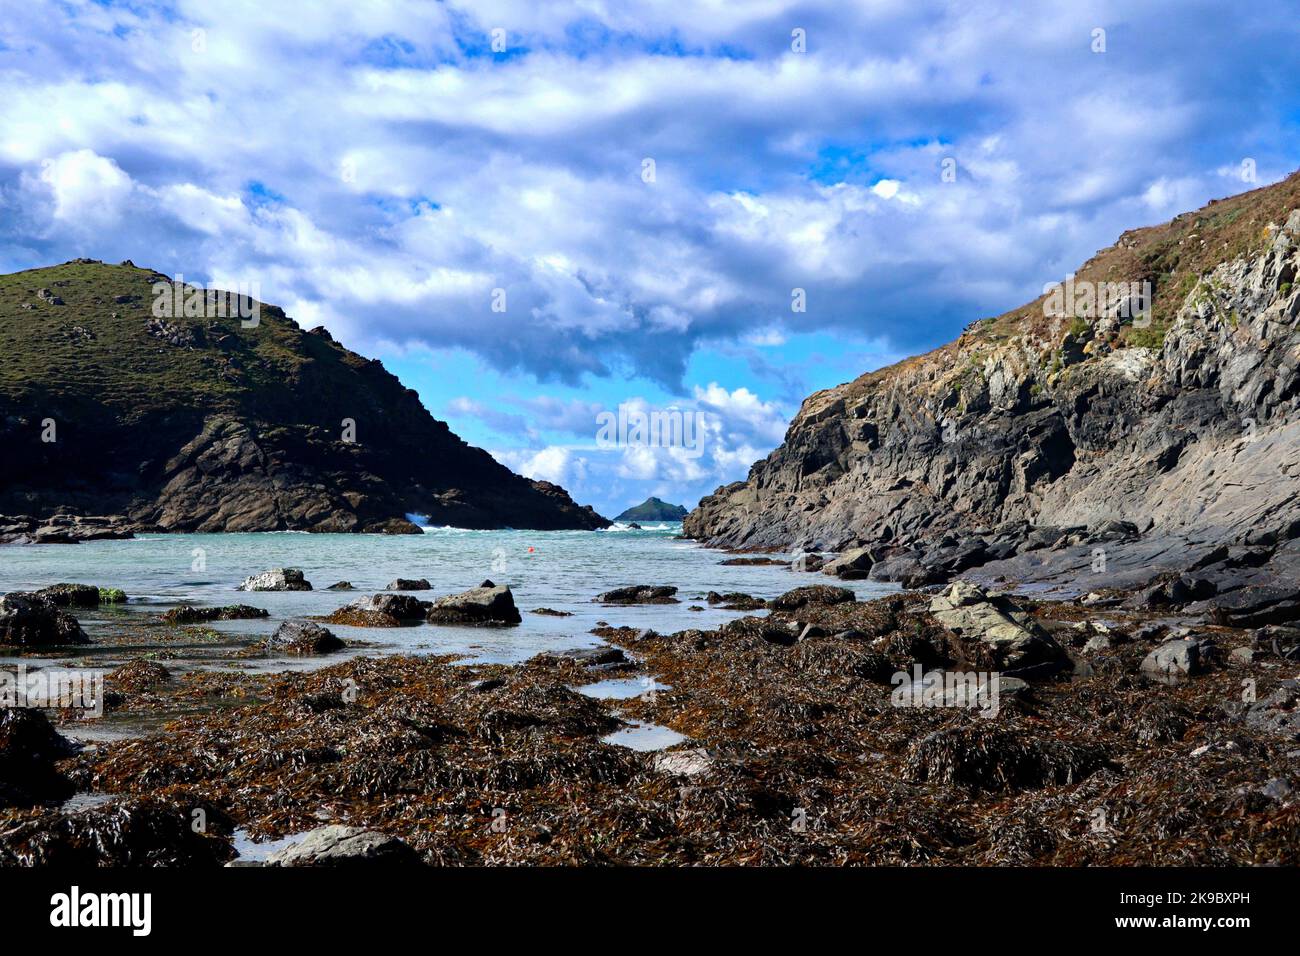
[380, 610]
[639, 594]
[277, 579]
[735, 601]
[71, 595]
[409, 584]
[850, 565]
[486, 604]
[596, 656]
[304, 637]
[188, 614]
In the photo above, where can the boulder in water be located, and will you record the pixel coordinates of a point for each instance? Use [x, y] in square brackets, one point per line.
[277, 579]
[486, 604]
[304, 637]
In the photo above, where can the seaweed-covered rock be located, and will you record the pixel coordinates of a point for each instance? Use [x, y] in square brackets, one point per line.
[380, 610]
[486, 604]
[29, 748]
[144, 831]
[277, 579]
[304, 637]
[188, 614]
[639, 594]
[30, 620]
[71, 595]
[981, 757]
[137, 676]
[393, 526]
[812, 594]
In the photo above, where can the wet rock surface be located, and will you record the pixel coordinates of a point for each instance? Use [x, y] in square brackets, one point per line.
[639, 594]
[29, 751]
[487, 604]
[31, 620]
[304, 637]
[63, 529]
[189, 614]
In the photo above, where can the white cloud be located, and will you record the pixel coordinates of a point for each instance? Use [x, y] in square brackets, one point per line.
[377, 169]
[88, 190]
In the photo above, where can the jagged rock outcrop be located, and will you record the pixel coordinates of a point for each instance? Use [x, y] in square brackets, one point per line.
[1033, 433]
[204, 423]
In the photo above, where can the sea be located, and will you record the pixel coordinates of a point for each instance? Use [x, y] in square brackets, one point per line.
[560, 570]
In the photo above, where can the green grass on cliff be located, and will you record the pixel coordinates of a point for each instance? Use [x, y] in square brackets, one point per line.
[1172, 256]
[96, 346]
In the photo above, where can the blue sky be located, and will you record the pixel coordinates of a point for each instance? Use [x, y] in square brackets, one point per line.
[382, 168]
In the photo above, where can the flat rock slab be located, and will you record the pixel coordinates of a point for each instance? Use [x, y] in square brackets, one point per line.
[344, 846]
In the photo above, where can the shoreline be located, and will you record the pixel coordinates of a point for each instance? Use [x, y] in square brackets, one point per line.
[792, 747]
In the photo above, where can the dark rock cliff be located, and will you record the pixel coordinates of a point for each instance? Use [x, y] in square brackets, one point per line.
[1183, 423]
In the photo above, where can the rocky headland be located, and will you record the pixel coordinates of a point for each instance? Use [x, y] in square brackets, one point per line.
[1074, 451]
[200, 423]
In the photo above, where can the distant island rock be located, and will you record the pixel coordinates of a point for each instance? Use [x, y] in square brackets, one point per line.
[652, 509]
[207, 419]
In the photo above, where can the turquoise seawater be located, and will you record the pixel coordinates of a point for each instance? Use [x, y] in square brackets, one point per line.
[562, 570]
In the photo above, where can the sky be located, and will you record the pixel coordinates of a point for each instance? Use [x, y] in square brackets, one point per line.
[539, 214]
